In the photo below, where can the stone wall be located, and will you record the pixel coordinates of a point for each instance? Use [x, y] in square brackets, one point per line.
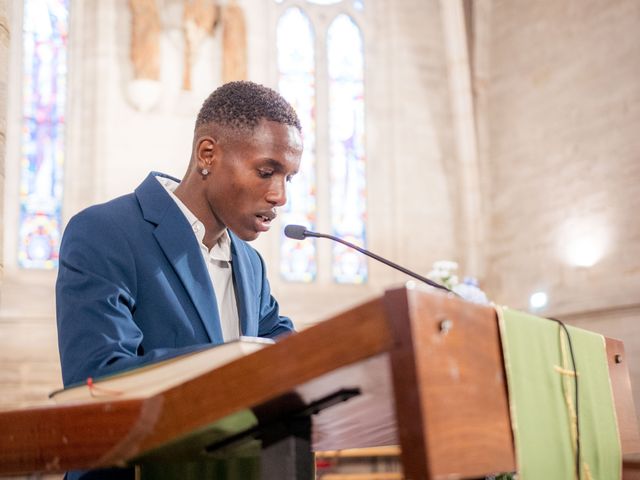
[564, 112]
[421, 153]
[562, 151]
[4, 65]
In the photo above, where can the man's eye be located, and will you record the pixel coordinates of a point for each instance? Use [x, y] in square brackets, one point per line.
[265, 173]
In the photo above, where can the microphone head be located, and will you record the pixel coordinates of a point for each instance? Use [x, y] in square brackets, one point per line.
[297, 232]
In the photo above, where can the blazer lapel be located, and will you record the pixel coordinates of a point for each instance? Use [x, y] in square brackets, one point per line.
[180, 246]
[245, 286]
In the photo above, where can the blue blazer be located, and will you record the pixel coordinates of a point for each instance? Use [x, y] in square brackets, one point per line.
[133, 287]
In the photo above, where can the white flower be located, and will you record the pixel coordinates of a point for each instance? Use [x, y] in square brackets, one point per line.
[443, 272]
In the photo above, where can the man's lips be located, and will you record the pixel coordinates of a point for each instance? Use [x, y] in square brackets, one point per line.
[264, 220]
[266, 216]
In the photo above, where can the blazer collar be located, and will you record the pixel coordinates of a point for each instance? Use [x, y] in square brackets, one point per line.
[153, 198]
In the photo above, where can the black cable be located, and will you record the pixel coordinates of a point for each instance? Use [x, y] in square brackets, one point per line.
[575, 379]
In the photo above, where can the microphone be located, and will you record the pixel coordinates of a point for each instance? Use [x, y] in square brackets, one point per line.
[298, 232]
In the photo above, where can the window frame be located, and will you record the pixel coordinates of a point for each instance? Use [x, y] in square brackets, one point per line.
[321, 17]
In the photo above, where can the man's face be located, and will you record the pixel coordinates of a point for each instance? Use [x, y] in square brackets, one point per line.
[248, 177]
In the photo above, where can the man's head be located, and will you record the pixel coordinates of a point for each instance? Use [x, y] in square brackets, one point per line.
[247, 145]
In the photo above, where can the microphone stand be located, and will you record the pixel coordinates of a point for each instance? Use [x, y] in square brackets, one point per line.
[307, 233]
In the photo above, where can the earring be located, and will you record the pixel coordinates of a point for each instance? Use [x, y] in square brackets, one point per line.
[205, 172]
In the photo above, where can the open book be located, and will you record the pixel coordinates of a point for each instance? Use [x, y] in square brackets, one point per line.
[151, 379]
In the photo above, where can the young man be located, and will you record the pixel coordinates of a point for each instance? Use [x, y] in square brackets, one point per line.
[167, 268]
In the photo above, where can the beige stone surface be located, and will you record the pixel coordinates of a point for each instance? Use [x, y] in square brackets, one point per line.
[29, 361]
[564, 112]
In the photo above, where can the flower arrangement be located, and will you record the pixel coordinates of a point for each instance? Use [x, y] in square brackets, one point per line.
[445, 273]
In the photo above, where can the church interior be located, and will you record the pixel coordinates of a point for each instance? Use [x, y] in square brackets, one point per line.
[496, 146]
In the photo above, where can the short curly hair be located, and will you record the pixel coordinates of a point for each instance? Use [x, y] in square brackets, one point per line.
[241, 105]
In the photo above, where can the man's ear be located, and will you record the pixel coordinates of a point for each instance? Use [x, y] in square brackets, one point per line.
[206, 150]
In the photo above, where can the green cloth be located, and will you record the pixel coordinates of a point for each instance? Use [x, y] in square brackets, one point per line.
[540, 415]
[185, 458]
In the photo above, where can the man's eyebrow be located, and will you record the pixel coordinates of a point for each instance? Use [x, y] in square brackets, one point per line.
[273, 162]
[277, 165]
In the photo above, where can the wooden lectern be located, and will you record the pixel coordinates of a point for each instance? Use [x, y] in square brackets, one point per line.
[415, 367]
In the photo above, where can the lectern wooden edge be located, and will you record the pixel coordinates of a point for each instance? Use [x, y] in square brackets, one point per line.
[431, 360]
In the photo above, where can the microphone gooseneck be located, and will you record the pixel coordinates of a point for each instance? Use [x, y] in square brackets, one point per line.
[299, 232]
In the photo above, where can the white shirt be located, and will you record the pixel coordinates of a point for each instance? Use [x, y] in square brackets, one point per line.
[218, 262]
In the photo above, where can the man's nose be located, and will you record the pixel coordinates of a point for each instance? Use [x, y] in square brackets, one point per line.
[277, 195]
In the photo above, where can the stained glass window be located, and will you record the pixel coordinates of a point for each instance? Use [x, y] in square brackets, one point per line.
[359, 4]
[346, 138]
[43, 117]
[296, 66]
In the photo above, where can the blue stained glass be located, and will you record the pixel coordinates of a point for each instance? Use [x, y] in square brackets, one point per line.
[296, 66]
[45, 32]
[346, 136]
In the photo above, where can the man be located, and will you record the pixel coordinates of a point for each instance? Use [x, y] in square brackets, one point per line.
[166, 269]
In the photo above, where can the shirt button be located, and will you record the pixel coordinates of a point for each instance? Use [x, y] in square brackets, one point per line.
[196, 228]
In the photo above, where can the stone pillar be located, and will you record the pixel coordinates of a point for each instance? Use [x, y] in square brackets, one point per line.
[4, 63]
[459, 66]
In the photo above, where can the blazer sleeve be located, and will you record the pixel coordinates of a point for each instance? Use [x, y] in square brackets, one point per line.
[95, 299]
[271, 323]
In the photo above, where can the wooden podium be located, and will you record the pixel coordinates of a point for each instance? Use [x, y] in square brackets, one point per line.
[415, 367]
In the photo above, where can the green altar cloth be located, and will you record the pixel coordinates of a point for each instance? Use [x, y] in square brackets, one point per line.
[540, 380]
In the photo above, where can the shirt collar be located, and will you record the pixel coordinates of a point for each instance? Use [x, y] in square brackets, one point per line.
[222, 249]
